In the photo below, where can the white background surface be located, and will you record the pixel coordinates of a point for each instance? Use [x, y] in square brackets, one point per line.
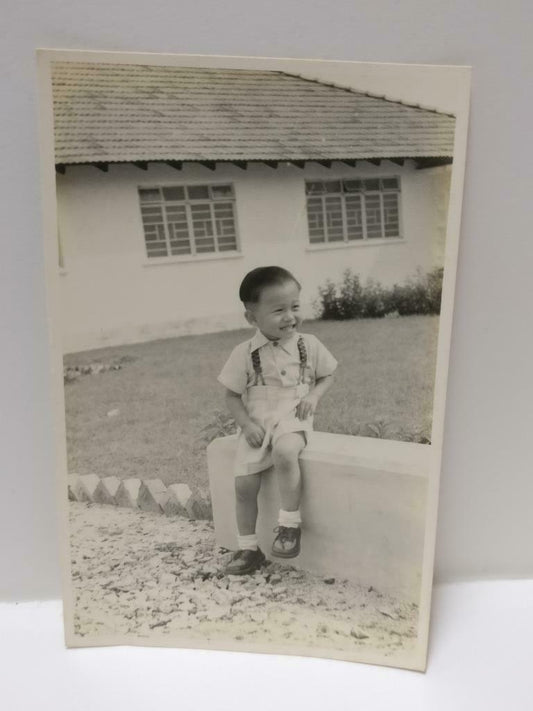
[481, 633]
[480, 658]
[486, 526]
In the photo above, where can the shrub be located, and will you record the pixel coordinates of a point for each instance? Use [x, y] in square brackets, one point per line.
[375, 300]
[421, 294]
[221, 424]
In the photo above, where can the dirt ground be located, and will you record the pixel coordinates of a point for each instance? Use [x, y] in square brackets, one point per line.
[145, 575]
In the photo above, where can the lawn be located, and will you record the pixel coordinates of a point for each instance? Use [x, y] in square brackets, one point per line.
[147, 419]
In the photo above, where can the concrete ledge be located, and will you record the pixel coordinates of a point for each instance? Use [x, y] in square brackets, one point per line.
[363, 507]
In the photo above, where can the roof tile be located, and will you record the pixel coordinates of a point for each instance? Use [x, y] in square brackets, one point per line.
[110, 112]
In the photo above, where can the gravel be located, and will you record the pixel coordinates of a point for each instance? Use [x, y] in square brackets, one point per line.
[139, 575]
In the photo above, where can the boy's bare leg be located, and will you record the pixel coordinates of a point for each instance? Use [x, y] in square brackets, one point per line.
[285, 455]
[246, 491]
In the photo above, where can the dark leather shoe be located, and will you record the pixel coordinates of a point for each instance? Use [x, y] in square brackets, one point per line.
[287, 542]
[245, 562]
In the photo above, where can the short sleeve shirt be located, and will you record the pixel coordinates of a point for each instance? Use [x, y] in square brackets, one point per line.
[280, 362]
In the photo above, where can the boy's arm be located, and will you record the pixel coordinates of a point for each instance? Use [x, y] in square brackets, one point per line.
[253, 432]
[308, 404]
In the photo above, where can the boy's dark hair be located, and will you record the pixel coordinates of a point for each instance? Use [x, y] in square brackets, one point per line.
[258, 279]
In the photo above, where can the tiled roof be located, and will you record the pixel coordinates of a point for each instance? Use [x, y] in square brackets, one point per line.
[111, 112]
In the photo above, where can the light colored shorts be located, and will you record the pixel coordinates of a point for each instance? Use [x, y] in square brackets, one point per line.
[274, 408]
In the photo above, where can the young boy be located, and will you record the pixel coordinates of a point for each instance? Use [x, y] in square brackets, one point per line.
[273, 383]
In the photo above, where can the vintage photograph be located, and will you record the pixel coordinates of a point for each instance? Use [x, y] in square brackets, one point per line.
[250, 268]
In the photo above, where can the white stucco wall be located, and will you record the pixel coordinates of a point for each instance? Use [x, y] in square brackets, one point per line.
[111, 293]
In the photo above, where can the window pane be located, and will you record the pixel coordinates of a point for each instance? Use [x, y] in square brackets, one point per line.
[225, 226]
[390, 184]
[203, 227]
[156, 252]
[354, 217]
[178, 229]
[353, 186]
[366, 207]
[221, 191]
[333, 186]
[149, 194]
[174, 226]
[315, 188]
[373, 216]
[334, 221]
[198, 192]
[315, 219]
[174, 193]
[391, 215]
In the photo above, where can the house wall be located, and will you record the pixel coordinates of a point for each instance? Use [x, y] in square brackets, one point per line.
[113, 294]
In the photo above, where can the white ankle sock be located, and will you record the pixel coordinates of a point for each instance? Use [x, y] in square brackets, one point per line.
[247, 543]
[289, 519]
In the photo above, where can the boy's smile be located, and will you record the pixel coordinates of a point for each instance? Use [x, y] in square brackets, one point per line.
[277, 313]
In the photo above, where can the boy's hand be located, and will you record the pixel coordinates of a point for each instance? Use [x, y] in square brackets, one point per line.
[306, 407]
[254, 434]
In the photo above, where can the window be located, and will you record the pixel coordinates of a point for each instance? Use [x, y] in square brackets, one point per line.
[184, 220]
[350, 210]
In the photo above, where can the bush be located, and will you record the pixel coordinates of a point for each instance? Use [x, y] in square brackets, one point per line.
[420, 294]
[220, 424]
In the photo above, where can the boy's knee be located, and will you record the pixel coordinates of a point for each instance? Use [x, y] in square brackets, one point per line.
[287, 449]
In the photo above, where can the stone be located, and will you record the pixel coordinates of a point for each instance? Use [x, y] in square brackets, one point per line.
[358, 634]
[114, 412]
[281, 590]
[173, 505]
[183, 493]
[259, 617]
[196, 507]
[188, 556]
[238, 579]
[88, 484]
[329, 581]
[194, 504]
[105, 494]
[387, 612]
[167, 579]
[128, 493]
[73, 484]
[152, 495]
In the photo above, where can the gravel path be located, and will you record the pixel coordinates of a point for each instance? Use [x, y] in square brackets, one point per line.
[143, 575]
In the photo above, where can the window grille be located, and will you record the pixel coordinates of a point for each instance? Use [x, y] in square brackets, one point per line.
[191, 220]
[350, 210]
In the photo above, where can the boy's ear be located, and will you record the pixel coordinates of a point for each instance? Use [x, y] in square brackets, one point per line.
[249, 316]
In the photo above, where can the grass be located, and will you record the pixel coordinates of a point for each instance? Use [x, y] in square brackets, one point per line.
[166, 393]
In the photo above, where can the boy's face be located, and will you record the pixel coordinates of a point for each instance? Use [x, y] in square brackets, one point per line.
[277, 313]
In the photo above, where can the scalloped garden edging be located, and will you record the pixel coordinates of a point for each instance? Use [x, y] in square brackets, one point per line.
[151, 495]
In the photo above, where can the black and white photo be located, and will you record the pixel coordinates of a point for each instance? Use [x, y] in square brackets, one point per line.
[250, 269]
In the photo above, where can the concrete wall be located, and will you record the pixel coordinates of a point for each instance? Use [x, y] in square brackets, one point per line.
[363, 508]
[112, 293]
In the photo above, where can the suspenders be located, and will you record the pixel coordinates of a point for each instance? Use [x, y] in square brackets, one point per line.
[258, 371]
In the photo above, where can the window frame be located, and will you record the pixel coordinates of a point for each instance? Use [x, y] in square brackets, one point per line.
[194, 255]
[364, 240]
